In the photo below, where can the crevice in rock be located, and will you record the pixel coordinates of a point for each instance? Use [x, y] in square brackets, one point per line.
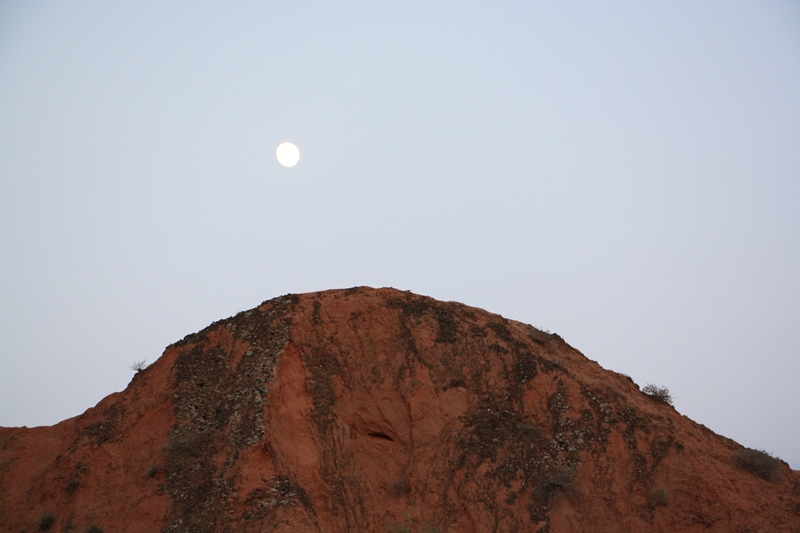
[379, 435]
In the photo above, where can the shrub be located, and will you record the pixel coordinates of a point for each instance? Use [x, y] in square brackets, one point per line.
[72, 486]
[658, 498]
[153, 471]
[401, 486]
[757, 462]
[138, 366]
[660, 394]
[45, 521]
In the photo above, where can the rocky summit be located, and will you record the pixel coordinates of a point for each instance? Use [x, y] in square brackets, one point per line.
[380, 410]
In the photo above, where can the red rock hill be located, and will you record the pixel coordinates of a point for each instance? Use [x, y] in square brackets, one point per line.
[381, 410]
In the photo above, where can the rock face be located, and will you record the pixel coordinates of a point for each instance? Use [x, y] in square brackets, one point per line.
[380, 410]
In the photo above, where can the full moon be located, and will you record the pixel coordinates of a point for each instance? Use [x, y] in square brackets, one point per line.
[288, 154]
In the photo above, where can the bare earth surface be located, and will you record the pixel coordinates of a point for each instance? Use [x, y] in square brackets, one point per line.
[380, 410]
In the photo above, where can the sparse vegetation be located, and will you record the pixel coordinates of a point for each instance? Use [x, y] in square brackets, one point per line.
[138, 366]
[401, 486]
[45, 521]
[757, 462]
[72, 486]
[92, 528]
[153, 470]
[660, 394]
[658, 498]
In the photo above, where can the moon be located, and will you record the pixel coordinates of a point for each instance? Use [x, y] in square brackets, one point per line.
[288, 155]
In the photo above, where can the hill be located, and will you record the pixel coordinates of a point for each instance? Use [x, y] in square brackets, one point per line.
[380, 410]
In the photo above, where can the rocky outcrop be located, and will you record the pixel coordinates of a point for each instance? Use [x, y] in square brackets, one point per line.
[381, 410]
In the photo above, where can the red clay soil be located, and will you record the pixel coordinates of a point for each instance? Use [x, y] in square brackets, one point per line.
[380, 410]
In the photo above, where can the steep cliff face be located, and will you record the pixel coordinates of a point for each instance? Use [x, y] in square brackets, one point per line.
[380, 410]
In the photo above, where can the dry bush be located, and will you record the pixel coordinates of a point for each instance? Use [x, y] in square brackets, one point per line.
[757, 462]
[658, 498]
[660, 394]
[45, 521]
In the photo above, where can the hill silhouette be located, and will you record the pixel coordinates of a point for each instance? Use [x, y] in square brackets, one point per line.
[380, 410]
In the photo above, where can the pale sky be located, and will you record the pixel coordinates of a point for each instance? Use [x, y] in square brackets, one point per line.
[625, 174]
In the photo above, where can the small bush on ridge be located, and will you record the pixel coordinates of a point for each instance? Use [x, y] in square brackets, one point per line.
[660, 394]
[757, 462]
